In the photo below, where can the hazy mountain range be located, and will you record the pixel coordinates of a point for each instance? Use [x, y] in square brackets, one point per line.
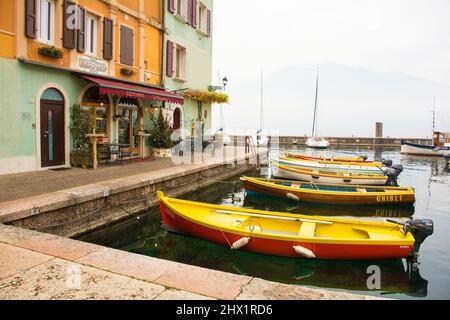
[351, 100]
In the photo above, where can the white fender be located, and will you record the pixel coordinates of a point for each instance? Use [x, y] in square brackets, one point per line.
[293, 197]
[240, 243]
[304, 252]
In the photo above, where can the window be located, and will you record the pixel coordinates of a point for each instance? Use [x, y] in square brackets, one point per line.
[203, 18]
[181, 9]
[180, 62]
[91, 34]
[46, 21]
[126, 46]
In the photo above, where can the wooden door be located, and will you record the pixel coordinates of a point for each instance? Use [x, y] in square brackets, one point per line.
[52, 134]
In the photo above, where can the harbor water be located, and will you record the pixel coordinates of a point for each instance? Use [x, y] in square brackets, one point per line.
[399, 279]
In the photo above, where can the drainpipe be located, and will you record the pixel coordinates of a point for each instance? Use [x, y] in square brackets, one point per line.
[163, 38]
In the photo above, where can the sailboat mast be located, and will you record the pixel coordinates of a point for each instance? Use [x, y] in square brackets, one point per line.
[261, 124]
[434, 115]
[315, 106]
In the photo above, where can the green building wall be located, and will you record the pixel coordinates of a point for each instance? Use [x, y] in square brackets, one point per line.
[198, 63]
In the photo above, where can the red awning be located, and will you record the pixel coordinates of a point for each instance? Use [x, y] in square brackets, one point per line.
[133, 90]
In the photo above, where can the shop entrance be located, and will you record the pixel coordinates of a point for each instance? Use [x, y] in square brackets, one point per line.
[52, 129]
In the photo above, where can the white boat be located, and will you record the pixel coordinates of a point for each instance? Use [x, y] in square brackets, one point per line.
[439, 148]
[423, 149]
[317, 143]
[314, 141]
[324, 176]
[309, 164]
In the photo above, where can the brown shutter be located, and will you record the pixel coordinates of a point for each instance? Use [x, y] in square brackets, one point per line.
[68, 33]
[81, 33]
[194, 13]
[171, 6]
[208, 23]
[30, 19]
[108, 38]
[190, 12]
[169, 62]
[126, 46]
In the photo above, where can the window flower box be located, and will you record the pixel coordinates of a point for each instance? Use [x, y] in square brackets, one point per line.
[51, 52]
[126, 72]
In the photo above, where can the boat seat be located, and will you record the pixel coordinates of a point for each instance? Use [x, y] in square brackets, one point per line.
[370, 234]
[307, 230]
[295, 185]
[361, 190]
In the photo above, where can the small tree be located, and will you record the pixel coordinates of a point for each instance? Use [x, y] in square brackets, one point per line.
[161, 134]
[81, 124]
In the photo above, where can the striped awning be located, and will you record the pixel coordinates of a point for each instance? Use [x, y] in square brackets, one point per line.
[135, 91]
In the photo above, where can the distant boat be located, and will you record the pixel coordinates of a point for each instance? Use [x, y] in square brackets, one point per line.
[439, 148]
[314, 141]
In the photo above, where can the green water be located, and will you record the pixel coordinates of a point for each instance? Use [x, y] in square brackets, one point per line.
[398, 280]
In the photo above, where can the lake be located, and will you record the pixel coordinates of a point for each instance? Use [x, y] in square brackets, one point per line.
[398, 279]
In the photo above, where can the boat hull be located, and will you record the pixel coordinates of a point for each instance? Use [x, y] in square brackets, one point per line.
[423, 150]
[322, 251]
[319, 196]
[307, 157]
[342, 167]
[311, 176]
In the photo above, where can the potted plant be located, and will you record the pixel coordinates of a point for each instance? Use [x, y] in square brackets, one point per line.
[161, 136]
[81, 123]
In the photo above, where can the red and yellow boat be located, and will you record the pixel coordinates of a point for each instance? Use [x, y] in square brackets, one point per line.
[308, 157]
[290, 235]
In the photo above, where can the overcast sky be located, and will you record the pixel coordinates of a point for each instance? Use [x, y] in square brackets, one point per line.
[408, 36]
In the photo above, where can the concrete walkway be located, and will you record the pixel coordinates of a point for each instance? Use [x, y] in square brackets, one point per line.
[39, 266]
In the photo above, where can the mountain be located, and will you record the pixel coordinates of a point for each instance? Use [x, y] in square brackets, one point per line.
[351, 100]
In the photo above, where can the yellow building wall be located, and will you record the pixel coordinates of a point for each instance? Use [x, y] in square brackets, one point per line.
[152, 54]
[131, 4]
[152, 10]
[7, 29]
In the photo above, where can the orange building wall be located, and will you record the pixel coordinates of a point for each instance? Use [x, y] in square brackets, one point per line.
[7, 29]
[152, 36]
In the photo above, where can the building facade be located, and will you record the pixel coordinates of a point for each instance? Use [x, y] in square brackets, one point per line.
[106, 57]
[188, 57]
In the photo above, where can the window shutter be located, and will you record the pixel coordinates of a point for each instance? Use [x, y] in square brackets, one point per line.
[30, 19]
[108, 38]
[208, 23]
[194, 13]
[68, 31]
[171, 6]
[190, 12]
[126, 46]
[81, 33]
[169, 62]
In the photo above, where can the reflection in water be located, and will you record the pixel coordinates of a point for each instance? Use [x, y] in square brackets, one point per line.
[398, 278]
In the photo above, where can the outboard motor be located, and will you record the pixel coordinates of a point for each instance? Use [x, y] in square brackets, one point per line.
[420, 229]
[393, 172]
[388, 163]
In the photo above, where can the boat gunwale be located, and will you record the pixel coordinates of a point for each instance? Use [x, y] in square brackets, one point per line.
[408, 239]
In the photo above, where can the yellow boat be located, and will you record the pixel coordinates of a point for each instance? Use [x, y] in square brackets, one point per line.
[330, 193]
[345, 164]
[284, 234]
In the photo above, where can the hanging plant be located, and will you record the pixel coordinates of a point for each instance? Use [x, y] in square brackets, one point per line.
[51, 52]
